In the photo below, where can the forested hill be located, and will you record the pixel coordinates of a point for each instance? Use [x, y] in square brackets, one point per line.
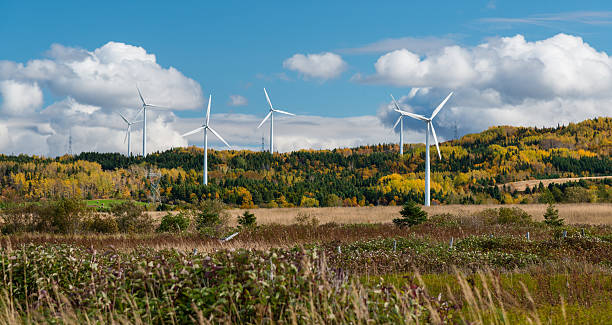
[470, 169]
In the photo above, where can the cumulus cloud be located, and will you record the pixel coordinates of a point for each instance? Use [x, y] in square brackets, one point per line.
[321, 66]
[504, 81]
[237, 100]
[20, 98]
[107, 77]
[93, 87]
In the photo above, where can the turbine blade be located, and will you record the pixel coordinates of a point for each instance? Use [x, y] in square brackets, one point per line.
[208, 110]
[395, 103]
[283, 112]
[268, 99]
[126, 134]
[194, 131]
[123, 117]
[139, 94]
[433, 132]
[396, 123]
[220, 138]
[265, 118]
[435, 112]
[157, 107]
[416, 116]
[141, 109]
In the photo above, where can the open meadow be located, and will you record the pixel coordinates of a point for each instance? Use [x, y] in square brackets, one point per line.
[579, 213]
[464, 264]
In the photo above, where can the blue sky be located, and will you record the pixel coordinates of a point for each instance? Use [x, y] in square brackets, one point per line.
[239, 47]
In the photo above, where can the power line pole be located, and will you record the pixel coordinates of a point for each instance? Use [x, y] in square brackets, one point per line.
[263, 148]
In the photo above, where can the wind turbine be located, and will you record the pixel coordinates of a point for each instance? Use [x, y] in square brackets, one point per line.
[144, 121]
[433, 132]
[271, 116]
[207, 128]
[400, 121]
[128, 135]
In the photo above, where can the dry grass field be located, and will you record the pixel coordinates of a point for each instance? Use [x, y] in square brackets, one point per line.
[521, 185]
[580, 213]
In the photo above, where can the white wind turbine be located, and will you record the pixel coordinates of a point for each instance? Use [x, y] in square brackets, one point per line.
[400, 121]
[271, 116]
[207, 128]
[433, 132]
[128, 135]
[144, 121]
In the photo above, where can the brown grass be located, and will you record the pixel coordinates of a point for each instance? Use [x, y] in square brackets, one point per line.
[521, 185]
[580, 213]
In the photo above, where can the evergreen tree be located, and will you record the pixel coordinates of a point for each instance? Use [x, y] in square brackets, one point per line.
[551, 217]
[411, 215]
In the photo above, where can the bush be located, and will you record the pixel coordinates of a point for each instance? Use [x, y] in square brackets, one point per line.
[247, 220]
[64, 216]
[131, 218]
[305, 219]
[506, 216]
[411, 215]
[102, 225]
[18, 219]
[551, 216]
[174, 222]
[211, 218]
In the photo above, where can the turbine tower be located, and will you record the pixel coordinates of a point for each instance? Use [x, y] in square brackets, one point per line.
[271, 116]
[144, 121]
[128, 135]
[430, 127]
[205, 127]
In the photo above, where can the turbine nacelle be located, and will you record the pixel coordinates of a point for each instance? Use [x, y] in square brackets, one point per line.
[206, 127]
[428, 120]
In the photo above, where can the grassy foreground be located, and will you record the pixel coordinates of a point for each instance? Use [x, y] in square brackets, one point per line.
[311, 273]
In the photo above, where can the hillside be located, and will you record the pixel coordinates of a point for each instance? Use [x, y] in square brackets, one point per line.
[468, 173]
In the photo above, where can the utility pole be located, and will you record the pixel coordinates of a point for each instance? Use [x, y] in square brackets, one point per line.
[70, 142]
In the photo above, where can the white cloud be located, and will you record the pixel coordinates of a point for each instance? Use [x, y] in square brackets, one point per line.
[93, 87]
[20, 98]
[322, 66]
[504, 81]
[107, 77]
[237, 100]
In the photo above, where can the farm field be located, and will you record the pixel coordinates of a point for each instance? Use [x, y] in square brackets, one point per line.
[521, 185]
[471, 266]
[580, 213]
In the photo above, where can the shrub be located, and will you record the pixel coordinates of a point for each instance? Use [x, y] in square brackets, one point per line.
[305, 219]
[174, 222]
[411, 215]
[102, 225]
[551, 216]
[247, 220]
[63, 216]
[211, 217]
[506, 216]
[131, 218]
[17, 219]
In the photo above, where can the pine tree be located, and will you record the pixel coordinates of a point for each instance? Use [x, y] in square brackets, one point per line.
[551, 217]
[411, 215]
